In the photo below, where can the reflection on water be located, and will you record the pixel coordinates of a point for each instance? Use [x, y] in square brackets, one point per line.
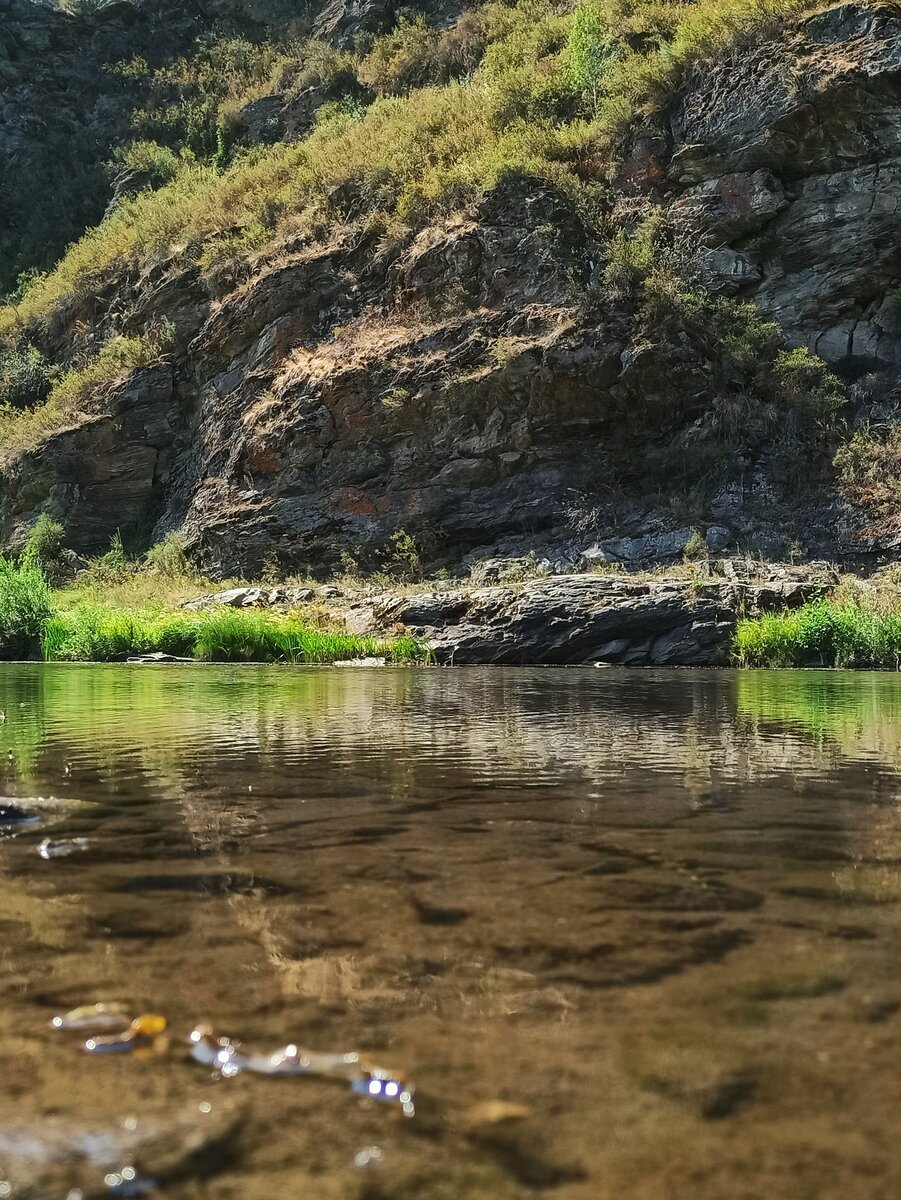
[633, 934]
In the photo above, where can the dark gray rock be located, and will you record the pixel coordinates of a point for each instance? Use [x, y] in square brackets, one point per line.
[788, 157]
[579, 619]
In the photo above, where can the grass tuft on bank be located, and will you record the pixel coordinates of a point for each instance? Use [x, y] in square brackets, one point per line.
[97, 633]
[824, 633]
[35, 621]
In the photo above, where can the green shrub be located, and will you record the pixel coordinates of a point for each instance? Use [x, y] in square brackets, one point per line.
[182, 110]
[696, 548]
[44, 544]
[157, 164]
[25, 607]
[404, 558]
[26, 378]
[169, 557]
[114, 565]
[631, 256]
[415, 55]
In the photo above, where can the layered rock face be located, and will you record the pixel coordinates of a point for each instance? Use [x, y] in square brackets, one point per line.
[787, 163]
[457, 386]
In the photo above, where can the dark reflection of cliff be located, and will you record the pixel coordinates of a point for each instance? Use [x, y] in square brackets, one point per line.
[656, 908]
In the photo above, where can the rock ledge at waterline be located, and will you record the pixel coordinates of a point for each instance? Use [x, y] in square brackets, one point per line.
[565, 619]
[581, 619]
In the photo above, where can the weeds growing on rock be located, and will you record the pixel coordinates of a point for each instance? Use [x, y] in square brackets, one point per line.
[81, 388]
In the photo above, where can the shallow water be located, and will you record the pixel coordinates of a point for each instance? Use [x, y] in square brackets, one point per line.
[633, 934]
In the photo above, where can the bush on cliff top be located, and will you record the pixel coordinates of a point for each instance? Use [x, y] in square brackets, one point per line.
[523, 108]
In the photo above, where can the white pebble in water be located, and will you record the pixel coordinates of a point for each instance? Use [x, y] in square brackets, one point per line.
[369, 1156]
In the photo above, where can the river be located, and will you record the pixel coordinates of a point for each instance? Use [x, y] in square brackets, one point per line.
[633, 935]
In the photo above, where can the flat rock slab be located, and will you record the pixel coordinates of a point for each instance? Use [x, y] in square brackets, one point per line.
[581, 619]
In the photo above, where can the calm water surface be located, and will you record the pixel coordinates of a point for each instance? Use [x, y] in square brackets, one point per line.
[633, 934]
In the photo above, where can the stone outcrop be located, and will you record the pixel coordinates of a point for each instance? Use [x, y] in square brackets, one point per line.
[579, 619]
[786, 160]
[107, 472]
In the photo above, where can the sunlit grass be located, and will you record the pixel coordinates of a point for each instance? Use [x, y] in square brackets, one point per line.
[97, 633]
[821, 634]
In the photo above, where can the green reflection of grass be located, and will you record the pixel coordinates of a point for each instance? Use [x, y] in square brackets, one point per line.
[54, 711]
[859, 710]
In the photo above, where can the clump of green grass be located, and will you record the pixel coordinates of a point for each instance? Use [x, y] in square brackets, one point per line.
[25, 607]
[44, 544]
[169, 557]
[96, 633]
[820, 634]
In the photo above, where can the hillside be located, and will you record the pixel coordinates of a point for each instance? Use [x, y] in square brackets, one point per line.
[519, 277]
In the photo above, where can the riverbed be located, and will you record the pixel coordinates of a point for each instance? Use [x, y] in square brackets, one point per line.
[628, 933]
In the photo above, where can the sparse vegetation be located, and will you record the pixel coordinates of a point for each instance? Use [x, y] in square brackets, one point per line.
[504, 91]
[80, 389]
[869, 474]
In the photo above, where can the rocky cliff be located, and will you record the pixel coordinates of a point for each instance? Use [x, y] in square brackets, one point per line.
[474, 382]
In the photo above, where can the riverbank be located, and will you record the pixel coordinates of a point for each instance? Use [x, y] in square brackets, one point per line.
[692, 614]
[139, 617]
